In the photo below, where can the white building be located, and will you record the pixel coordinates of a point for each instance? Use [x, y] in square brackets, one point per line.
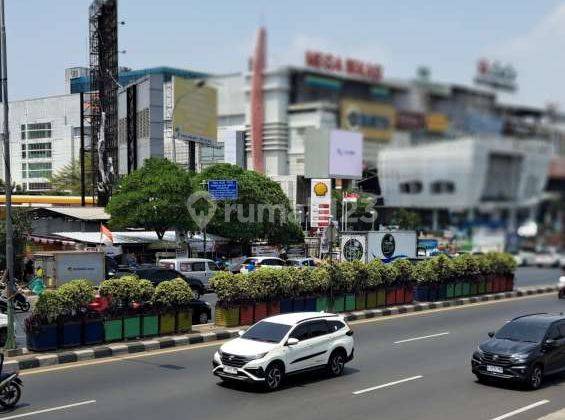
[44, 138]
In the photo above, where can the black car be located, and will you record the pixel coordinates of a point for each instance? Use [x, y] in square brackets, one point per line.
[158, 274]
[526, 349]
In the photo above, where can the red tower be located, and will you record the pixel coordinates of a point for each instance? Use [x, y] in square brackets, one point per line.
[257, 108]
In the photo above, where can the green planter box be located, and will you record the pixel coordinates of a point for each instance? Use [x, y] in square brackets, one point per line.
[149, 325]
[349, 302]
[184, 321]
[482, 289]
[360, 301]
[465, 288]
[132, 326]
[113, 330]
[322, 303]
[167, 323]
[458, 290]
[450, 293]
[227, 317]
[371, 299]
[338, 304]
[474, 290]
[381, 297]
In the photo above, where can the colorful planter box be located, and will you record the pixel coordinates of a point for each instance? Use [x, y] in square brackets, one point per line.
[226, 317]
[322, 304]
[46, 339]
[246, 314]
[260, 312]
[92, 331]
[184, 321]
[399, 298]
[149, 325]
[113, 330]
[390, 296]
[298, 304]
[465, 288]
[132, 327]
[422, 293]
[450, 291]
[490, 285]
[273, 308]
[371, 302]
[458, 290]
[381, 298]
[310, 304]
[349, 305]
[408, 294]
[509, 283]
[286, 305]
[474, 289]
[482, 287]
[360, 301]
[442, 291]
[71, 334]
[338, 303]
[434, 293]
[167, 323]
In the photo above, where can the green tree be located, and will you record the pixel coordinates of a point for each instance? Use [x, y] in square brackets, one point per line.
[262, 210]
[152, 197]
[406, 219]
[67, 179]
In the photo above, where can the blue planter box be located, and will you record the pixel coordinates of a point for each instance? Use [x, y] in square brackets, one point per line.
[434, 294]
[71, 334]
[442, 292]
[298, 305]
[286, 305]
[93, 331]
[422, 293]
[310, 304]
[45, 339]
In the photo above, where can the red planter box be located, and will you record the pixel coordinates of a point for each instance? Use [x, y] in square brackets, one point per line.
[509, 283]
[490, 285]
[390, 297]
[246, 314]
[400, 295]
[273, 308]
[408, 294]
[260, 312]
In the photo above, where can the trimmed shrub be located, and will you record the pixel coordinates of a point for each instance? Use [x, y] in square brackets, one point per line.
[375, 274]
[172, 295]
[75, 296]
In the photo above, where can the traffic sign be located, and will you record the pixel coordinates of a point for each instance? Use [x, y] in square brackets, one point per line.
[223, 189]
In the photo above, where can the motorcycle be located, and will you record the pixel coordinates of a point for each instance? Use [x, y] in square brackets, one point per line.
[20, 303]
[10, 387]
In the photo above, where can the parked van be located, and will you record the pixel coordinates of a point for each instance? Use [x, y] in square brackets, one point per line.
[198, 268]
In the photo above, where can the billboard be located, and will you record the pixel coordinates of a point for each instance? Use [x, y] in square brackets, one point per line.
[194, 108]
[373, 120]
[346, 154]
[320, 202]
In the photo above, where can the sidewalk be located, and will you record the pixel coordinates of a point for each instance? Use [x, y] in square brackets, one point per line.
[22, 358]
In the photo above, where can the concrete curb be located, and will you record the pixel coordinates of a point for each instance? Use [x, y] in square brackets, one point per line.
[38, 360]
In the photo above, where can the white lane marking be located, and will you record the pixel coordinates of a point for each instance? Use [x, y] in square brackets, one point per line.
[422, 338]
[47, 410]
[374, 388]
[521, 410]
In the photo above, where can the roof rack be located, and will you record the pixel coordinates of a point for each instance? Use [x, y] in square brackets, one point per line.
[324, 315]
[524, 316]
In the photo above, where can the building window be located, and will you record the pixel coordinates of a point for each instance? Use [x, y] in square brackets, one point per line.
[38, 186]
[411, 187]
[442, 187]
[36, 151]
[36, 131]
[36, 170]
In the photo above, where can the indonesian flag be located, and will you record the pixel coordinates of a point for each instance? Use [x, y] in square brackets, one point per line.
[106, 235]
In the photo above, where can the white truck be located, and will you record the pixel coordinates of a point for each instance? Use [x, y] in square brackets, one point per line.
[58, 267]
[385, 245]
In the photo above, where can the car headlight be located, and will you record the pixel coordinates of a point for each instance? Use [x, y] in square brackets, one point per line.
[478, 354]
[519, 358]
[258, 356]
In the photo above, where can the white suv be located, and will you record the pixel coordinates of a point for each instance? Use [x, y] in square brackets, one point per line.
[286, 344]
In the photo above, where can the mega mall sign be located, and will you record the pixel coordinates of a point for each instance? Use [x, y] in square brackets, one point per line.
[349, 66]
[496, 75]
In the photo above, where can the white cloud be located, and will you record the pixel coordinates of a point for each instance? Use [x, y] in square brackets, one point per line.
[538, 56]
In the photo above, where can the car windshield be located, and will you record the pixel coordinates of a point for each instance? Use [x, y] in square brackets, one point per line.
[522, 330]
[293, 262]
[268, 332]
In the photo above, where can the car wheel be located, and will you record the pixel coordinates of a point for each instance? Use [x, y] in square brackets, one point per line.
[274, 376]
[535, 378]
[562, 294]
[203, 318]
[336, 363]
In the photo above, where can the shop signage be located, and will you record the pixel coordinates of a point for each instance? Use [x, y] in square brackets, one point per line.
[437, 123]
[496, 75]
[410, 121]
[350, 66]
[373, 120]
[320, 202]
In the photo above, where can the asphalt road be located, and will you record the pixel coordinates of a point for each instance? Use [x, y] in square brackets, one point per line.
[178, 384]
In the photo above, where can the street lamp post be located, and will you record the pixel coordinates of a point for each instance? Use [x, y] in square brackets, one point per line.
[373, 212]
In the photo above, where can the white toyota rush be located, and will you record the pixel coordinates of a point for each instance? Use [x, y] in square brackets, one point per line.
[286, 344]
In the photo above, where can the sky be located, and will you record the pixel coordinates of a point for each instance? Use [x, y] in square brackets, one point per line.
[216, 36]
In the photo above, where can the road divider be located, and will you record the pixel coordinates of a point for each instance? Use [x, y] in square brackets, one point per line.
[425, 337]
[23, 359]
[47, 410]
[521, 410]
[387, 385]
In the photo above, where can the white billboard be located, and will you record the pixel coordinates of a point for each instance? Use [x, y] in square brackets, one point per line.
[320, 202]
[346, 154]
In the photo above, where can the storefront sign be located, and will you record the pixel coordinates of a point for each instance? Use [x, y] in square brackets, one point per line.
[437, 123]
[350, 66]
[320, 202]
[496, 75]
[373, 120]
[410, 121]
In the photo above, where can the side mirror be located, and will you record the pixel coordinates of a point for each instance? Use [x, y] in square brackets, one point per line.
[292, 341]
[491, 334]
[549, 344]
[241, 332]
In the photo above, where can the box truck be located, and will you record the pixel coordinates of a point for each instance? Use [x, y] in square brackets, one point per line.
[58, 267]
[385, 245]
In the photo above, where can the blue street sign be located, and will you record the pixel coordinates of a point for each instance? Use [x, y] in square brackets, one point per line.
[222, 189]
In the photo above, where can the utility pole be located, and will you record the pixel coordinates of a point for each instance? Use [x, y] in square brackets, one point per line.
[10, 339]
